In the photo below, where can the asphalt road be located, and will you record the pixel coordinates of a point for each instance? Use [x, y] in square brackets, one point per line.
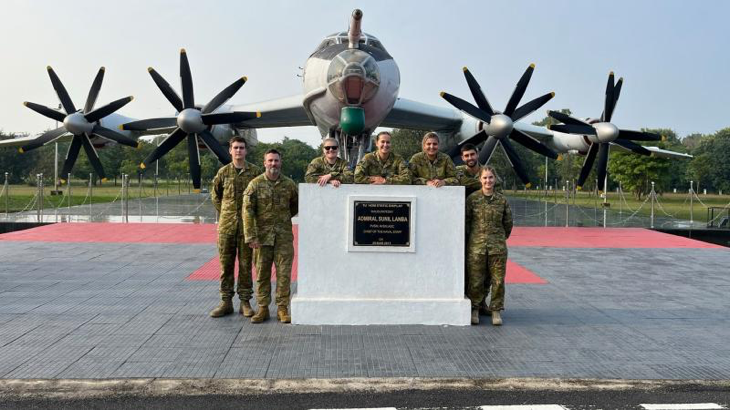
[581, 396]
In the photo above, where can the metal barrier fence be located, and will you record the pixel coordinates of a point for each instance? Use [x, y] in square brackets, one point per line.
[145, 203]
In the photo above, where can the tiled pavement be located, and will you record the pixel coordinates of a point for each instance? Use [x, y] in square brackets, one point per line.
[120, 310]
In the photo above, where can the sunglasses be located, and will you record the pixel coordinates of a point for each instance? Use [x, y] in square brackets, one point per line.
[330, 148]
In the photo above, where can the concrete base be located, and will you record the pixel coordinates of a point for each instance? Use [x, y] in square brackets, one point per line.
[420, 285]
[380, 312]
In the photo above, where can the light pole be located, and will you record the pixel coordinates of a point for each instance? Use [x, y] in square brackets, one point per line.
[56, 191]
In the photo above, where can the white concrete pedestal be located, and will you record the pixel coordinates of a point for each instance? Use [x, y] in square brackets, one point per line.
[423, 284]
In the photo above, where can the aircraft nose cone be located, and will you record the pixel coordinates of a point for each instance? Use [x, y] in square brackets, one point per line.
[606, 132]
[76, 124]
[500, 126]
[190, 120]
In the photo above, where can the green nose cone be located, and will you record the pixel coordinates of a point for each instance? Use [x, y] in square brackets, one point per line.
[352, 120]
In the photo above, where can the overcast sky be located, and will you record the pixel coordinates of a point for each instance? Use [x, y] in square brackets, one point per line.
[673, 55]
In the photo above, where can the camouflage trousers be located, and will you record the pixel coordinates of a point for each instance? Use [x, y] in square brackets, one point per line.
[490, 269]
[282, 256]
[228, 247]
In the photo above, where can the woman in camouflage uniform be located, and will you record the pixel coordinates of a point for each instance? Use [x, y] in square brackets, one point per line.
[432, 167]
[488, 225]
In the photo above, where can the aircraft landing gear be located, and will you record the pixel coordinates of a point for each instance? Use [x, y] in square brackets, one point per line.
[352, 147]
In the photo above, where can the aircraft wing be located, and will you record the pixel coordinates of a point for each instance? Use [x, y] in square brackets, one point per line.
[541, 134]
[20, 141]
[659, 152]
[419, 116]
[282, 112]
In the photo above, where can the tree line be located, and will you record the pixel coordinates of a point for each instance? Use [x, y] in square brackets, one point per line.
[709, 169]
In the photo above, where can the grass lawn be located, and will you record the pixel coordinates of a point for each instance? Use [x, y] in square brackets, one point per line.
[676, 205]
[22, 197]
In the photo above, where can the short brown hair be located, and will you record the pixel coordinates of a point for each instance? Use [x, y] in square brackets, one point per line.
[237, 138]
[272, 151]
[490, 169]
[377, 137]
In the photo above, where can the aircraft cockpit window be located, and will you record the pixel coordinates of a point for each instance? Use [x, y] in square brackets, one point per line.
[376, 44]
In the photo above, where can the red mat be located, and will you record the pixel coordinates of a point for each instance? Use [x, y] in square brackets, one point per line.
[206, 233]
[117, 233]
[600, 238]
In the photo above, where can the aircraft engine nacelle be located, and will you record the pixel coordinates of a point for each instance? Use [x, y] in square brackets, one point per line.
[224, 132]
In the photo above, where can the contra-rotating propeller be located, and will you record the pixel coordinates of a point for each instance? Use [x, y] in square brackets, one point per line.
[499, 126]
[191, 122]
[601, 133]
[81, 123]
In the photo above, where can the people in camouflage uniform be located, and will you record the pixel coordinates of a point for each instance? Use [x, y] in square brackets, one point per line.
[269, 203]
[227, 197]
[488, 225]
[329, 169]
[431, 167]
[468, 173]
[383, 166]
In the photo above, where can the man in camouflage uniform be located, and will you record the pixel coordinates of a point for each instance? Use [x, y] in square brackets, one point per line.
[468, 173]
[329, 169]
[227, 196]
[431, 167]
[383, 166]
[269, 203]
[488, 225]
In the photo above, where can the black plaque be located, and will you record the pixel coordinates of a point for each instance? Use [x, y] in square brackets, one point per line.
[382, 223]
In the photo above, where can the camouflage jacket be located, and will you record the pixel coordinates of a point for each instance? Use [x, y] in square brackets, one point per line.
[268, 207]
[340, 170]
[471, 182]
[423, 170]
[394, 169]
[227, 196]
[488, 223]
[466, 179]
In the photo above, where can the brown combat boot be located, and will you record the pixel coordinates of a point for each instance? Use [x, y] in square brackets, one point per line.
[246, 309]
[282, 313]
[475, 316]
[224, 308]
[261, 315]
[496, 318]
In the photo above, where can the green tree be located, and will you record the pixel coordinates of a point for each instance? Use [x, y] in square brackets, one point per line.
[406, 142]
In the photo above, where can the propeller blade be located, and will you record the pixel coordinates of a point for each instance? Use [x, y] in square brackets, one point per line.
[617, 92]
[587, 165]
[519, 91]
[229, 117]
[102, 112]
[638, 135]
[633, 147]
[45, 111]
[467, 107]
[476, 91]
[566, 119]
[602, 164]
[573, 129]
[485, 154]
[223, 156]
[531, 106]
[609, 103]
[71, 155]
[532, 144]
[114, 136]
[94, 91]
[44, 139]
[194, 161]
[169, 143]
[166, 89]
[514, 159]
[63, 96]
[224, 95]
[475, 139]
[186, 80]
[149, 124]
[93, 157]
